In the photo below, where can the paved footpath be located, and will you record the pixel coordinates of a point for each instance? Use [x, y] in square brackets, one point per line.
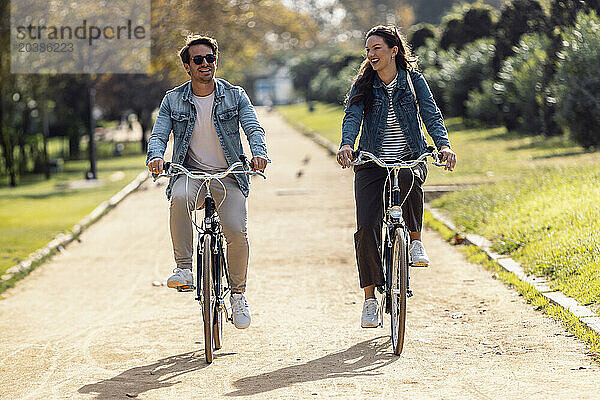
[89, 324]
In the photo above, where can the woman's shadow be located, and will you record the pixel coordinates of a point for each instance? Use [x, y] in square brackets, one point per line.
[362, 359]
[157, 375]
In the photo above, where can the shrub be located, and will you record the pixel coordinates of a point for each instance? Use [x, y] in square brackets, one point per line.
[517, 18]
[520, 87]
[462, 72]
[483, 104]
[466, 24]
[577, 81]
[430, 60]
[420, 33]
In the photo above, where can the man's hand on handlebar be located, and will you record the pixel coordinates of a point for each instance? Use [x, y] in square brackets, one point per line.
[447, 155]
[156, 166]
[344, 156]
[258, 163]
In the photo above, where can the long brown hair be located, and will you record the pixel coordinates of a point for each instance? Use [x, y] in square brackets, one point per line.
[366, 74]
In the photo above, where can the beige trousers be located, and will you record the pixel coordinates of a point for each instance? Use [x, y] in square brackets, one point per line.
[233, 213]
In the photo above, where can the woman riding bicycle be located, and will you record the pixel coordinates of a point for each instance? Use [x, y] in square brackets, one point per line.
[381, 100]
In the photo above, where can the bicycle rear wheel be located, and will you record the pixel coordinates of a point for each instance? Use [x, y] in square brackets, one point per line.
[398, 288]
[208, 298]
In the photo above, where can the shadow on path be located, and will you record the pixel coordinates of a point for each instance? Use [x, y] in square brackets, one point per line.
[157, 375]
[362, 359]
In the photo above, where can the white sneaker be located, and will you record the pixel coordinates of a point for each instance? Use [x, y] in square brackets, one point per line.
[370, 314]
[241, 312]
[418, 256]
[180, 277]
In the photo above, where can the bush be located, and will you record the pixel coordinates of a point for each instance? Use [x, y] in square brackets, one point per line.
[517, 18]
[332, 88]
[483, 104]
[520, 87]
[462, 72]
[420, 33]
[576, 81]
[466, 24]
[323, 76]
[430, 60]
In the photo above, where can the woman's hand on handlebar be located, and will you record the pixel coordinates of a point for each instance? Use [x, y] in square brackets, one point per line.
[344, 156]
[447, 155]
[156, 166]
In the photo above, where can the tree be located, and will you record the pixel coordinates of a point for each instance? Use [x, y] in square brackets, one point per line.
[563, 14]
[466, 24]
[517, 18]
[519, 85]
[576, 83]
[463, 72]
[420, 33]
[362, 15]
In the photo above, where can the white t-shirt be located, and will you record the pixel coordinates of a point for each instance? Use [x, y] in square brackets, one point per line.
[205, 151]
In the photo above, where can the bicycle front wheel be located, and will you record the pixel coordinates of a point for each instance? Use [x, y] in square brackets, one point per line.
[219, 314]
[398, 288]
[208, 298]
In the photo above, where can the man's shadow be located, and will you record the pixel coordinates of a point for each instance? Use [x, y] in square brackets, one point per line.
[161, 374]
[362, 359]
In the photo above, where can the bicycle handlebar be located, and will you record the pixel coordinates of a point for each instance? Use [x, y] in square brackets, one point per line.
[184, 171]
[359, 156]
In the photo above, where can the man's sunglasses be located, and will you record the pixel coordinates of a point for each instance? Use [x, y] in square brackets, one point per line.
[210, 58]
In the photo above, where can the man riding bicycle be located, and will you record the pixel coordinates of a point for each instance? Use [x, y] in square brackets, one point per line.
[205, 114]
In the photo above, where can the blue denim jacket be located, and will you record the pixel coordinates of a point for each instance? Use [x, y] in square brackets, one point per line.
[374, 122]
[231, 108]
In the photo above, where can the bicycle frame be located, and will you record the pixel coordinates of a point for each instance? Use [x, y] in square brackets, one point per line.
[211, 225]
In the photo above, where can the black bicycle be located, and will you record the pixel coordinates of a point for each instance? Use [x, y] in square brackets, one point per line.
[211, 264]
[396, 240]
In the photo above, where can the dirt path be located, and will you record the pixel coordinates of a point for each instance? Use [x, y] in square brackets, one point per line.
[90, 324]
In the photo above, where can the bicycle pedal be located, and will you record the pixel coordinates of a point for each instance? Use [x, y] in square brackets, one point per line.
[420, 265]
[185, 288]
[409, 293]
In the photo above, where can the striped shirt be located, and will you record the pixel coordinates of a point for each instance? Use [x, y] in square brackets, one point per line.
[394, 145]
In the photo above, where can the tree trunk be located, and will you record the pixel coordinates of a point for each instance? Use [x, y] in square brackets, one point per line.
[92, 143]
[7, 150]
[145, 118]
[74, 144]
[21, 141]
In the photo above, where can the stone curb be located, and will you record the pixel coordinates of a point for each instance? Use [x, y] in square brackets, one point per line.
[62, 239]
[583, 313]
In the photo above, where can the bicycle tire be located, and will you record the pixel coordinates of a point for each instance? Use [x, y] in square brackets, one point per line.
[398, 289]
[219, 313]
[208, 298]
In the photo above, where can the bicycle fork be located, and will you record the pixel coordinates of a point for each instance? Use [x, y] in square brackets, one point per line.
[396, 215]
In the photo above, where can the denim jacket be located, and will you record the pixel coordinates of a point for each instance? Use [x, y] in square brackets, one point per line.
[374, 122]
[231, 108]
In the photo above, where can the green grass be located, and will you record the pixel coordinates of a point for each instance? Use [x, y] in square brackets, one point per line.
[547, 219]
[484, 155]
[326, 119]
[529, 293]
[537, 198]
[37, 210]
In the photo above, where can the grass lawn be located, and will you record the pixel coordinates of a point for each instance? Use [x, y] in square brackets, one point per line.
[537, 199]
[37, 210]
